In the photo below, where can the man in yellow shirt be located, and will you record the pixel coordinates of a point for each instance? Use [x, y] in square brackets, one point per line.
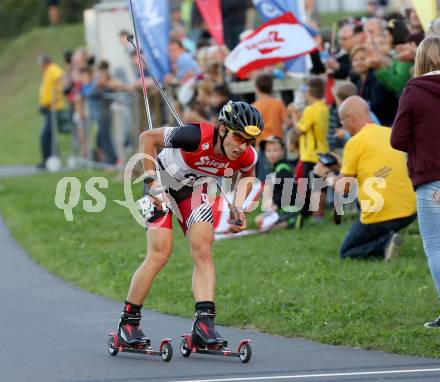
[51, 103]
[385, 193]
[312, 127]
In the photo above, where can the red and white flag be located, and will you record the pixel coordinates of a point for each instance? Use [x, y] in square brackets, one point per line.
[212, 14]
[277, 40]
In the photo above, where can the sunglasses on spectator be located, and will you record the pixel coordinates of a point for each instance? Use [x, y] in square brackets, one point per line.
[238, 138]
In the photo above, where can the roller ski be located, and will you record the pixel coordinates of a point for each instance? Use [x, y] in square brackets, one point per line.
[204, 339]
[130, 339]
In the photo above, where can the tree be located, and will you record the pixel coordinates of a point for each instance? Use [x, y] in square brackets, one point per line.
[16, 19]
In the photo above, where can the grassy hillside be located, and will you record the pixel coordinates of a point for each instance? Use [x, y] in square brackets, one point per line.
[20, 77]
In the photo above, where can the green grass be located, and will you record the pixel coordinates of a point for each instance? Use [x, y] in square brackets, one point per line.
[3, 43]
[290, 283]
[20, 76]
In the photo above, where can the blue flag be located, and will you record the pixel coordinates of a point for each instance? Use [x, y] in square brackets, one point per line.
[269, 9]
[152, 20]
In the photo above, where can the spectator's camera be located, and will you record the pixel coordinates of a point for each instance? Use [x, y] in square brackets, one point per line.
[328, 159]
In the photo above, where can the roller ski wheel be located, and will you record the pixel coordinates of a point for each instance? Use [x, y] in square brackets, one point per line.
[166, 351]
[112, 346]
[244, 350]
[185, 348]
[116, 345]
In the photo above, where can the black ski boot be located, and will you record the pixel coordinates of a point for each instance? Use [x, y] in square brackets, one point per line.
[129, 330]
[203, 330]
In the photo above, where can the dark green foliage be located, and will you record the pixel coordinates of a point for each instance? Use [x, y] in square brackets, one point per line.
[19, 16]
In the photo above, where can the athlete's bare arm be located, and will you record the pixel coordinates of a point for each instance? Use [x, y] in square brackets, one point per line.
[244, 188]
[149, 140]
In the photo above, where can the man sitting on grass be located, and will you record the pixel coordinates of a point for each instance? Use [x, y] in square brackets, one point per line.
[387, 199]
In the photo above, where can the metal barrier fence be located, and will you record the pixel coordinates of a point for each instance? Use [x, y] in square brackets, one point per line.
[127, 118]
[291, 83]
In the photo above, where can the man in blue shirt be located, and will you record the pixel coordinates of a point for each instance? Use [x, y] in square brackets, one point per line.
[183, 64]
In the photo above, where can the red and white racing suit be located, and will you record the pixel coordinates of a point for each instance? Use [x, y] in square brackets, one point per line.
[184, 165]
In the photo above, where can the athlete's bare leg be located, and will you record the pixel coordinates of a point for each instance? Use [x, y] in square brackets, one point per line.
[159, 249]
[201, 236]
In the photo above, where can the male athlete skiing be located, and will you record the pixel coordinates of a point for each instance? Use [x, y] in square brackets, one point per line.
[190, 152]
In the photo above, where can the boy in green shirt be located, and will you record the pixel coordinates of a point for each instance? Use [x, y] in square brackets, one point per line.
[281, 212]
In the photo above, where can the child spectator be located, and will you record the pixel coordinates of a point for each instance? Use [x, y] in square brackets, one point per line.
[313, 127]
[282, 212]
[272, 109]
[336, 136]
[274, 114]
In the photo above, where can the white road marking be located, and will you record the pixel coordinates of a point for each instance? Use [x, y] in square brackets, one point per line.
[304, 376]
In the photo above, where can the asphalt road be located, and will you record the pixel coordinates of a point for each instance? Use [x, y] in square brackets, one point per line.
[18, 170]
[52, 331]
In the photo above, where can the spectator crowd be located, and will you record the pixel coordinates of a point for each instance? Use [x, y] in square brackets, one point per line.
[367, 69]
